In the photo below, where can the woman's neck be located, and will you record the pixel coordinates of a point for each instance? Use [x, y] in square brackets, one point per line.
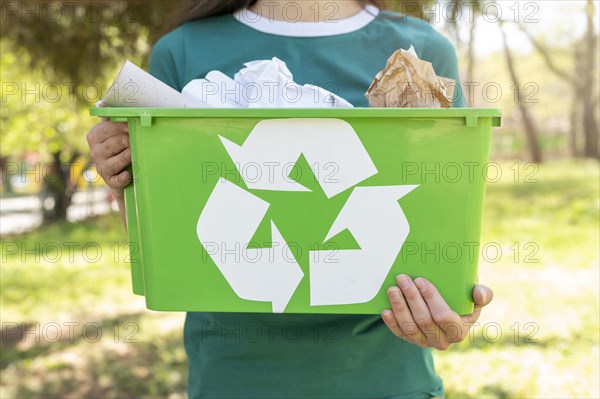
[306, 10]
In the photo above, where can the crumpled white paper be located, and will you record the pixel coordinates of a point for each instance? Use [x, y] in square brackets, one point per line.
[260, 84]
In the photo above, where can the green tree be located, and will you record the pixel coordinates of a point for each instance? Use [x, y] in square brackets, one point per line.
[57, 59]
[41, 116]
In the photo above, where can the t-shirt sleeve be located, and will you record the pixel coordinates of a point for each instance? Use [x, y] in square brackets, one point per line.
[163, 64]
[439, 51]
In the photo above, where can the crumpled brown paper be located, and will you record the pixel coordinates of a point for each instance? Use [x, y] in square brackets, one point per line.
[409, 82]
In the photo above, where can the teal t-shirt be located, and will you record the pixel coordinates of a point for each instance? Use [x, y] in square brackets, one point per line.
[242, 355]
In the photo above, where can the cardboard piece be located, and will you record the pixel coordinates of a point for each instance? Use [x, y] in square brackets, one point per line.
[409, 82]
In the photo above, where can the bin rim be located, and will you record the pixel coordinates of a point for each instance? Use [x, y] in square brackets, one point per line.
[115, 112]
[470, 115]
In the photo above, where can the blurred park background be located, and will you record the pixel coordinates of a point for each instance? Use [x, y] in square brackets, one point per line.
[71, 326]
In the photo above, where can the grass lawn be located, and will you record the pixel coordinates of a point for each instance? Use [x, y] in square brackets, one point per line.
[71, 327]
[539, 337]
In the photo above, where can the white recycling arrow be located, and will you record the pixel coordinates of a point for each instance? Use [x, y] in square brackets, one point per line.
[331, 147]
[375, 219]
[226, 225]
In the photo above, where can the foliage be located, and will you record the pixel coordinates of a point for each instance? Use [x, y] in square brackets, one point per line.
[37, 114]
[94, 35]
[70, 50]
[90, 36]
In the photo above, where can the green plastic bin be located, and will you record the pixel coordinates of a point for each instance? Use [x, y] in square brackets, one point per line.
[303, 210]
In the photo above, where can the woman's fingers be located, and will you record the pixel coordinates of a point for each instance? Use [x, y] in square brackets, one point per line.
[482, 296]
[403, 318]
[390, 320]
[448, 320]
[119, 180]
[116, 164]
[421, 313]
[104, 130]
[111, 147]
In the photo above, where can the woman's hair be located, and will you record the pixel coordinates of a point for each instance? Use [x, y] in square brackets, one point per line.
[189, 10]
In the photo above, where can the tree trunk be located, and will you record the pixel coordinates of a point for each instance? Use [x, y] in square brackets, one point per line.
[574, 78]
[6, 175]
[576, 116]
[528, 123]
[589, 102]
[573, 128]
[57, 189]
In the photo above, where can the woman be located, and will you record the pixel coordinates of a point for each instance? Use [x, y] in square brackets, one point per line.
[338, 45]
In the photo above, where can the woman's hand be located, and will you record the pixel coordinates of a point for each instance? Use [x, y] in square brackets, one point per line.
[421, 316]
[109, 145]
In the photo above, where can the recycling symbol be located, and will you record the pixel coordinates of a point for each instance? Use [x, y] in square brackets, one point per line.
[232, 215]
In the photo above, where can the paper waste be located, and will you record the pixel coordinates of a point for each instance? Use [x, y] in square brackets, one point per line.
[409, 82]
[260, 84]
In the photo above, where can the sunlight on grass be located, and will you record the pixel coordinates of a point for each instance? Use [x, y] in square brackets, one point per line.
[539, 338]
[71, 325]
